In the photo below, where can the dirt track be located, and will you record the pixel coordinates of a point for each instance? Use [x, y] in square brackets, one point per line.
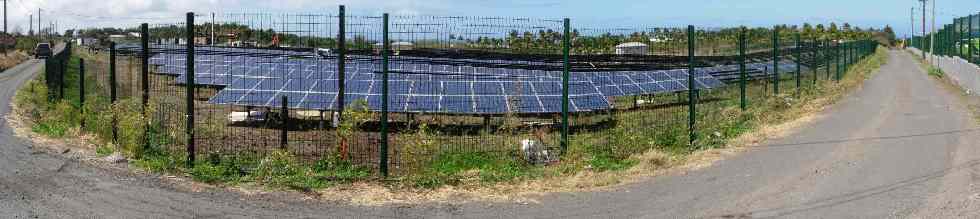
[901, 147]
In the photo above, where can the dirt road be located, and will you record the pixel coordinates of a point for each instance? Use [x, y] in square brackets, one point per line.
[901, 147]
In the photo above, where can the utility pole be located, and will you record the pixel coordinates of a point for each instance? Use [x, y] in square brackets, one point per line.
[5, 16]
[932, 36]
[911, 27]
[30, 26]
[923, 40]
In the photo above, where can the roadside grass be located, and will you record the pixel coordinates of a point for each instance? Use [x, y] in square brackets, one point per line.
[647, 140]
[636, 142]
[972, 101]
[936, 72]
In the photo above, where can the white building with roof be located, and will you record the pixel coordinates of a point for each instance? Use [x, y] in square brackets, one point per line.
[632, 48]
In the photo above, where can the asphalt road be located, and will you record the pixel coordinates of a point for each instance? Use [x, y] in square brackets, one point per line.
[901, 147]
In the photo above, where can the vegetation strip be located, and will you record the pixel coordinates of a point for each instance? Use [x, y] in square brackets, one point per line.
[584, 167]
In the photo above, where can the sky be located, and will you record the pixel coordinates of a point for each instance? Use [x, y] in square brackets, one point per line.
[73, 14]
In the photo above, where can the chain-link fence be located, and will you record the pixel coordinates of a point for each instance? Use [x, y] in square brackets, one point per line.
[404, 94]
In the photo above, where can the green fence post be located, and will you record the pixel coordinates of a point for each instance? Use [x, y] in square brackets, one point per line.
[81, 91]
[284, 117]
[955, 33]
[565, 44]
[960, 38]
[799, 66]
[383, 151]
[775, 60]
[145, 78]
[836, 59]
[842, 57]
[112, 89]
[742, 75]
[827, 50]
[189, 113]
[62, 66]
[813, 63]
[969, 40]
[341, 60]
[691, 89]
[145, 64]
[815, 59]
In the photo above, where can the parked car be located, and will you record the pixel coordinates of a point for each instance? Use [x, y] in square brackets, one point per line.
[43, 50]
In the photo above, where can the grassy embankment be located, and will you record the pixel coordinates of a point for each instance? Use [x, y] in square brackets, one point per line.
[630, 147]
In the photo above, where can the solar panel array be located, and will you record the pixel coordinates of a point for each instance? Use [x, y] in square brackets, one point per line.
[416, 84]
[753, 70]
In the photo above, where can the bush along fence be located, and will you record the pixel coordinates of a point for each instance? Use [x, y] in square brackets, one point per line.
[418, 94]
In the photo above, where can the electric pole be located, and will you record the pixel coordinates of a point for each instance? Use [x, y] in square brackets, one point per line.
[932, 31]
[5, 16]
[922, 41]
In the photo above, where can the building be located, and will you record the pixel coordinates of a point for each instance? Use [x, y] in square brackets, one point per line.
[396, 46]
[202, 41]
[632, 48]
[86, 41]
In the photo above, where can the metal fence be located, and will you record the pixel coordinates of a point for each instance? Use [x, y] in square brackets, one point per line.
[402, 92]
[958, 39]
[953, 49]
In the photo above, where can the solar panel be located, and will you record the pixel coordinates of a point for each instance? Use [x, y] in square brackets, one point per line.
[420, 86]
[454, 97]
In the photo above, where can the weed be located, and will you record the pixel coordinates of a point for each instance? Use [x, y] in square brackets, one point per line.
[103, 150]
[936, 72]
[455, 168]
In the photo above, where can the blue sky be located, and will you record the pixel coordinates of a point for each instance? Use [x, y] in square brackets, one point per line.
[605, 13]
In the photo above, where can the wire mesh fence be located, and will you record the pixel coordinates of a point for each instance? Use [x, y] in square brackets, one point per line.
[404, 94]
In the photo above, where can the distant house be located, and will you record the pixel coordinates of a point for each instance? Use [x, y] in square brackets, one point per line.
[86, 41]
[396, 46]
[632, 48]
[202, 41]
[174, 41]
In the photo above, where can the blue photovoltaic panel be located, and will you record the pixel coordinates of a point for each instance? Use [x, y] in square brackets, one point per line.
[423, 87]
[458, 97]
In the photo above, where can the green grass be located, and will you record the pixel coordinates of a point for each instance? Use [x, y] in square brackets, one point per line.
[456, 168]
[431, 158]
[103, 151]
[936, 72]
